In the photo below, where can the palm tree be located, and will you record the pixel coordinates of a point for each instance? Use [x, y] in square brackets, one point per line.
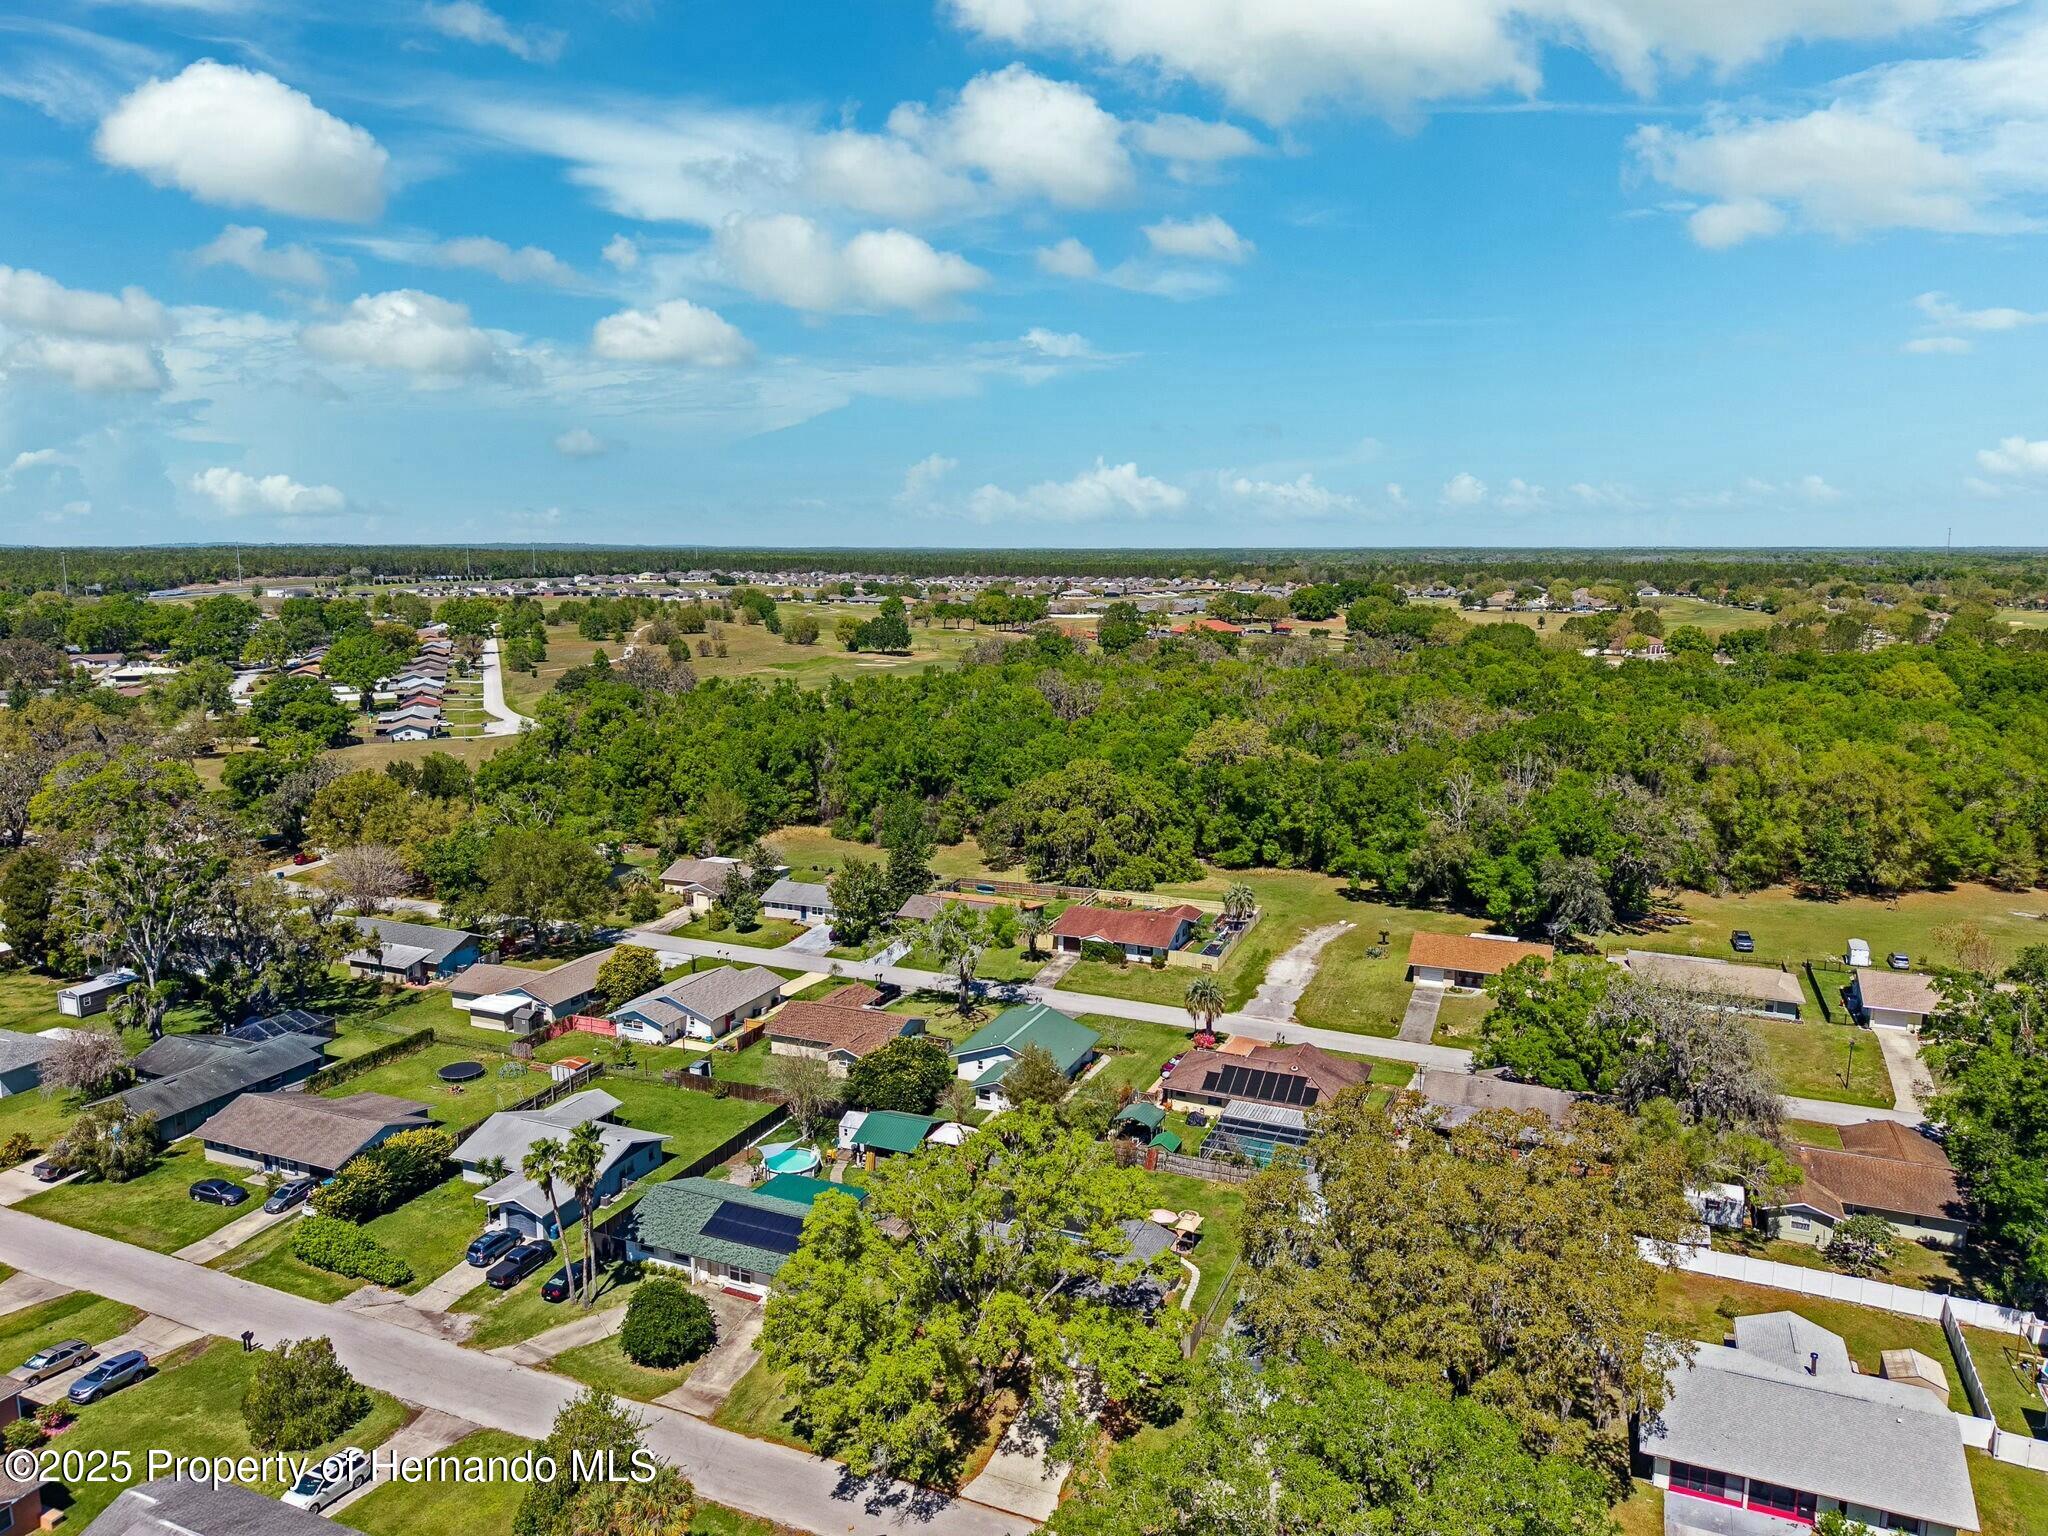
[1205, 1001]
[582, 1160]
[543, 1165]
[1032, 923]
[1239, 901]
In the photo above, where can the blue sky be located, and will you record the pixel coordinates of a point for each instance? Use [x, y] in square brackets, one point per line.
[1025, 272]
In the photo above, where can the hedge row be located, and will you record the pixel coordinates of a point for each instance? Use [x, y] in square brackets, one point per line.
[341, 1248]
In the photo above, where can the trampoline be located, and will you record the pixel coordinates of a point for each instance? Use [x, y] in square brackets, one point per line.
[790, 1157]
[461, 1072]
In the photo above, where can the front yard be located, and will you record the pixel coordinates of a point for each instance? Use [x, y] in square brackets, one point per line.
[77, 1316]
[1837, 1062]
[429, 1233]
[769, 933]
[153, 1211]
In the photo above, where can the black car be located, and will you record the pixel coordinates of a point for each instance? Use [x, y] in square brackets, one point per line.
[288, 1194]
[517, 1265]
[491, 1247]
[564, 1280]
[218, 1192]
[1742, 943]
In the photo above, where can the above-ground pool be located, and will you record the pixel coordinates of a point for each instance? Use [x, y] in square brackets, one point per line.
[789, 1157]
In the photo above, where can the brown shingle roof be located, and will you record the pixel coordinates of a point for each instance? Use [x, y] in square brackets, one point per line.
[1153, 927]
[855, 1031]
[304, 1128]
[1465, 1094]
[1902, 991]
[1905, 1186]
[1704, 973]
[1203, 1072]
[563, 984]
[1887, 1138]
[855, 994]
[1471, 952]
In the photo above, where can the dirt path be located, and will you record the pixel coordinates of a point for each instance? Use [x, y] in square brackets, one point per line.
[1289, 975]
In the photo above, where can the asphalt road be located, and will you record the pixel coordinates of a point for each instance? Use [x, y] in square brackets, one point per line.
[775, 1482]
[1449, 1058]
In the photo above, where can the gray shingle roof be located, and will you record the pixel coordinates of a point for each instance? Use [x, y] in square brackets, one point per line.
[1845, 1436]
[439, 943]
[174, 1507]
[566, 983]
[1703, 973]
[1461, 1095]
[19, 1050]
[509, 1133]
[798, 893]
[671, 1217]
[225, 1067]
[708, 995]
[305, 1128]
[517, 1189]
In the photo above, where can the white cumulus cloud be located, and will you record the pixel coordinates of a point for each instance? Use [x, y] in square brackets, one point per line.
[1108, 491]
[1464, 490]
[675, 331]
[922, 480]
[622, 253]
[580, 443]
[1055, 343]
[88, 363]
[242, 245]
[239, 137]
[1204, 239]
[1193, 147]
[788, 258]
[1299, 497]
[406, 330]
[1029, 136]
[1067, 258]
[239, 494]
[2015, 456]
[30, 301]
[1944, 311]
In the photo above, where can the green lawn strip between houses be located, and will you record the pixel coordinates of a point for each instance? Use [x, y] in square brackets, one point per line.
[193, 1407]
[80, 1315]
[604, 1364]
[513, 1316]
[153, 1211]
[429, 1232]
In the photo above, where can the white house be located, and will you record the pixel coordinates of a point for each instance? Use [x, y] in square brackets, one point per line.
[799, 901]
[698, 1010]
[1893, 999]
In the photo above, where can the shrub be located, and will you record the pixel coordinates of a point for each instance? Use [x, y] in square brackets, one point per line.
[342, 1248]
[387, 1175]
[300, 1396]
[667, 1325]
[1097, 949]
[16, 1149]
[23, 1435]
[1862, 1245]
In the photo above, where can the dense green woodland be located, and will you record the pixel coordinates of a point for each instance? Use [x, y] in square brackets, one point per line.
[1520, 781]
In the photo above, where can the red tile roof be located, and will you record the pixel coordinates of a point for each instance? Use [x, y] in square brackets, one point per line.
[1153, 927]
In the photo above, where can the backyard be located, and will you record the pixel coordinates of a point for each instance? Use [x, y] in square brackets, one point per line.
[79, 1315]
[413, 1076]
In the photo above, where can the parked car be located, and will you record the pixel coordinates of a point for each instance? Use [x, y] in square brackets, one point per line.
[1899, 960]
[564, 1280]
[110, 1375]
[322, 1485]
[302, 857]
[48, 1171]
[218, 1192]
[492, 1246]
[518, 1264]
[1741, 942]
[290, 1193]
[53, 1361]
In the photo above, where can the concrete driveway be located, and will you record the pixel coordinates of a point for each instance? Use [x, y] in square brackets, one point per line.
[731, 1356]
[17, 1183]
[1912, 1083]
[233, 1235]
[427, 1434]
[155, 1336]
[447, 1288]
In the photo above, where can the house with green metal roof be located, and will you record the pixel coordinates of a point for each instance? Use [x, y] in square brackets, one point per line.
[718, 1232]
[883, 1132]
[985, 1057]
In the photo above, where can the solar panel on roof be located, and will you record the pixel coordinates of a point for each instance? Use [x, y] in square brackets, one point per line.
[776, 1231]
[293, 1021]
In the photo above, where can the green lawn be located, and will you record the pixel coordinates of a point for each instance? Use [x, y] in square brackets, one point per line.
[1918, 1266]
[1837, 1062]
[695, 1123]
[769, 933]
[40, 1116]
[77, 1316]
[2011, 1501]
[413, 1077]
[747, 1066]
[29, 1001]
[814, 854]
[429, 1233]
[604, 1364]
[759, 1406]
[1222, 1209]
[192, 1408]
[1814, 1134]
[1006, 964]
[1458, 1017]
[153, 1211]
[509, 1317]
[1139, 1051]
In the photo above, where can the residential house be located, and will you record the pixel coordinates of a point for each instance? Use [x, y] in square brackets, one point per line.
[188, 1079]
[179, 1506]
[412, 953]
[698, 1010]
[1893, 999]
[1458, 1096]
[1467, 959]
[516, 1201]
[871, 1134]
[1759, 989]
[700, 882]
[721, 1233]
[985, 1057]
[21, 1498]
[21, 1059]
[1142, 933]
[922, 907]
[1288, 1076]
[411, 725]
[302, 1133]
[512, 997]
[838, 1028]
[799, 901]
[1782, 1425]
[1881, 1169]
[83, 999]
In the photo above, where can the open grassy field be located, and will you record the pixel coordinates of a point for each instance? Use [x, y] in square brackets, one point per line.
[814, 854]
[153, 1211]
[2025, 618]
[192, 1408]
[77, 1316]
